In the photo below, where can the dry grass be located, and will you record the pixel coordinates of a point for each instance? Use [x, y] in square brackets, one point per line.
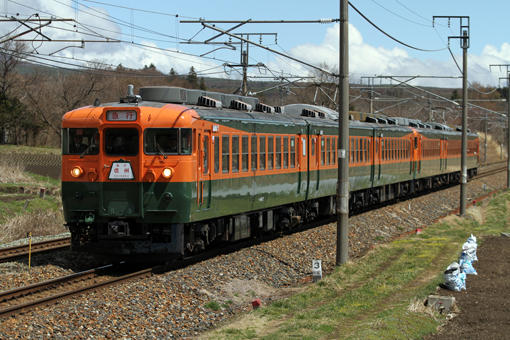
[40, 222]
[13, 173]
[493, 148]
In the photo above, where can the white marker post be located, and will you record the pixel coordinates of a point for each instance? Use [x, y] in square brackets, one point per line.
[316, 270]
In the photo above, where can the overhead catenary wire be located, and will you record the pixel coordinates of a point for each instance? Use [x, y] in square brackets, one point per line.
[391, 37]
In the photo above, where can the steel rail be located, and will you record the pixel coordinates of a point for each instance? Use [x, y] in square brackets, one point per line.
[52, 299]
[21, 251]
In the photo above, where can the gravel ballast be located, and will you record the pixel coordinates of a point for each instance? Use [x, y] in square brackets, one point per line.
[172, 305]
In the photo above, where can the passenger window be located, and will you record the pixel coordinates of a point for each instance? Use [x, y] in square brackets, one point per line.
[205, 163]
[356, 146]
[225, 153]
[216, 145]
[383, 149]
[369, 150]
[245, 153]
[253, 153]
[328, 151]
[278, 152]
[323, 150]
[262, 152]
[270, 152]
[361, 150]
[352, 150]
[285, 152]
[235, 153]
[313, 146]
[292, 152]
[333, 150]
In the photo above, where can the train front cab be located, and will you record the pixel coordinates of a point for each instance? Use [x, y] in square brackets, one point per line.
[124, 197]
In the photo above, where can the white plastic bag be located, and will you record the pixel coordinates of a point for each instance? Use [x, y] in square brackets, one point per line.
[467, 267]
[453, 278]
[470, 248]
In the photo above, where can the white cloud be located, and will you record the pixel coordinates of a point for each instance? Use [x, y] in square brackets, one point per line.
[367, 60]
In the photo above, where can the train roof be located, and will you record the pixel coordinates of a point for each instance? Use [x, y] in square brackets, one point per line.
[219, 106]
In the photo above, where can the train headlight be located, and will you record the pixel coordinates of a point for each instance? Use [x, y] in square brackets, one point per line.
[167, 172]
[76, 171]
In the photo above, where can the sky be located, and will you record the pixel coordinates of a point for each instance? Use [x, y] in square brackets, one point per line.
[143, 32]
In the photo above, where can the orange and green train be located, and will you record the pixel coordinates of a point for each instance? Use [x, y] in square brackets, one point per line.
[171, 171]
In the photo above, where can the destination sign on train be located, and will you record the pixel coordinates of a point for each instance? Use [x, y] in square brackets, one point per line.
[121, 115]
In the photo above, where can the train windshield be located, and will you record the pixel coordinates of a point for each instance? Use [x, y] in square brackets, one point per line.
[167, 141]
[121, 142]
[82, 141]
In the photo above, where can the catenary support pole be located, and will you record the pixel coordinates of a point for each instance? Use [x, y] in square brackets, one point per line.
[342, 206]
[508, 137]
[463, 165]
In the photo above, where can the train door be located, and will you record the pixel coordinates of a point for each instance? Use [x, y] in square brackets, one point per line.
[121, 171]
[372, 155]
[204, 170]
[377, 156]
[416, 159]
[444, 152]
[313, 165]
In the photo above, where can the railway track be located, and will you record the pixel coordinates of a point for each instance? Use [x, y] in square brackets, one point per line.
[26, 298]
[23, 299]
[489, 172]
[21, 251]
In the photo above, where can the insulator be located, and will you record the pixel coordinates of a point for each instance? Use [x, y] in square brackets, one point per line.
[326, 21]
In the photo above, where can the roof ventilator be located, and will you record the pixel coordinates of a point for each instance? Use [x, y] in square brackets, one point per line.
[239, 105]
[392, 121]
[264, 108]
[209, 102]
[131, 97]
[371, 120]
[312, 113]
[413, 124]
[279, 109]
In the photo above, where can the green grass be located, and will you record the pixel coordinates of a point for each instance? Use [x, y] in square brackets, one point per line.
[372, 298]
[45, 150]
[214, 305]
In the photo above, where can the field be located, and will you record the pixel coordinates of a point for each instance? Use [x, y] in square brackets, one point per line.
[22, 211]
[383, 294]
[379, 296]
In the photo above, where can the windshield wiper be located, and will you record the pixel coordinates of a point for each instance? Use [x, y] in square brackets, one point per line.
[160, 149]
[87, 150]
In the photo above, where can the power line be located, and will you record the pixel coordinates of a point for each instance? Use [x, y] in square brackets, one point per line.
[389, 36]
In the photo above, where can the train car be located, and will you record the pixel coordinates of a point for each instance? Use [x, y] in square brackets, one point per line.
[171, 171]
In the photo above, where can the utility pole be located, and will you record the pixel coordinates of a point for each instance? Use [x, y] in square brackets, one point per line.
[501, 136]
[431, 118]
[486, 123]
[342, 205]
[371, 93]
[464, 44]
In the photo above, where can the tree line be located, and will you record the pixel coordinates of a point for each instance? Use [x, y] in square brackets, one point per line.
[33, 99]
